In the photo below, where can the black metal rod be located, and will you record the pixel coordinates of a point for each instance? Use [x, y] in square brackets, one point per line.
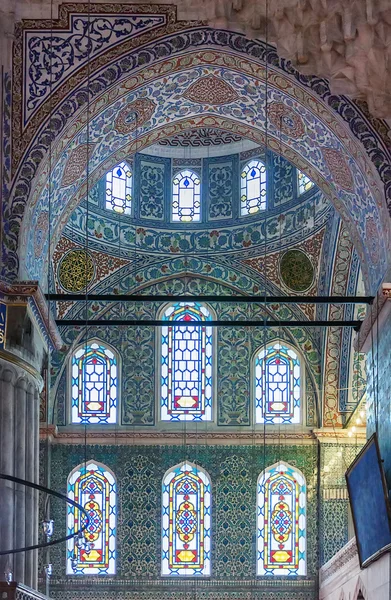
[159, 323]
[212, 298]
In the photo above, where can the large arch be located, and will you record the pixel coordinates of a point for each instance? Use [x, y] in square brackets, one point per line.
[299, 124]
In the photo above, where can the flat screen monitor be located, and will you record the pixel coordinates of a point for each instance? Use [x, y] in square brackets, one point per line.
[369, 503]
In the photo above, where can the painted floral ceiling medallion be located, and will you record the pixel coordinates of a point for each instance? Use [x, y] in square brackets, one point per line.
[296, 269]
[211, 90]
[76, 270]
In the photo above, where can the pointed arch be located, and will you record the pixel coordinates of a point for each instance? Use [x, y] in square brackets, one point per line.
[93, 485]
[186, 521]
[186, 364]
[94, 385]
[118, 195]
[253, 187]
[278, 384]
[186, 197]
[281, 521]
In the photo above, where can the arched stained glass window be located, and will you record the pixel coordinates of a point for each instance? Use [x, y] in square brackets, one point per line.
[186, 521]
[281, 521]
[186, 371]
[304, 183]
[94, 487]
[94, 384]
[277, 385]
[253, 188]
[186, 198]
[119, 189]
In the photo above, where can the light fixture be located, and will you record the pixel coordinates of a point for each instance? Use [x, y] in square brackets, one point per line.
[48, 528]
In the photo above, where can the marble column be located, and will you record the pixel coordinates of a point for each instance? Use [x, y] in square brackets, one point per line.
[19, 456]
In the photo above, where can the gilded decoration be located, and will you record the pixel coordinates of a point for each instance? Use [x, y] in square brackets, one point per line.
[211, 90]
[76, 270]
[297, 271]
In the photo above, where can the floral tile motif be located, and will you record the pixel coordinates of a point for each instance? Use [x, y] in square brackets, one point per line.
[76, 164]
[105, 31]
[211, 90]
[339, 168]
[134, 115]
[286, 120]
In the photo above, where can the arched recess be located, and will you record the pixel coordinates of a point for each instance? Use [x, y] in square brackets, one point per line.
[281, 521]
[328, 153]
[186, 521]
[93, 485]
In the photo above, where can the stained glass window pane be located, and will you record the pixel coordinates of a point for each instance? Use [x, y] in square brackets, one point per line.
[119, 189]
[277, 385]
[253, 188]
[92, 486]
[281, 521]
[304, 182]
[186, 521]
[94, 384]
[186, 199]
[186, 372]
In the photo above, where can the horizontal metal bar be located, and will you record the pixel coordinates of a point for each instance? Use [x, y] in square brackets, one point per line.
[160, 323]
[212, 298]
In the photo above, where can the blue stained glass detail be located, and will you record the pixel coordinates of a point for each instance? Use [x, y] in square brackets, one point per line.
[186, 197]
[119, 189]
[186, 371]
[281, 521]
[94, 385]
[186, 521]
[304, 182]
[253, 188]
[277, 385]
[94, 487]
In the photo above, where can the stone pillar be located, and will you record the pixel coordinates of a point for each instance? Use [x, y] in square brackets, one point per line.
[19, 445]
[7, 390]
[20, 472]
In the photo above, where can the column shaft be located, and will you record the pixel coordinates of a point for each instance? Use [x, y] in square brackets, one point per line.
[7, 467]
[20, 472]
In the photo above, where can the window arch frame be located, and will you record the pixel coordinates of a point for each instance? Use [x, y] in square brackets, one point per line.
[128, 208]
[261, 205]
[301, 503]
[197, 175]
[70, 396]
[159, 369]
[253, 373]
[301, 192]
[206, 521]
[111, 544]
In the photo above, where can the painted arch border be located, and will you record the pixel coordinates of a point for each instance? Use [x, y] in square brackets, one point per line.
[229, 37]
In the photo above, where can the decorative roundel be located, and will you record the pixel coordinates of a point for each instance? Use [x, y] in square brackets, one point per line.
[296, 269]
[76, 270]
